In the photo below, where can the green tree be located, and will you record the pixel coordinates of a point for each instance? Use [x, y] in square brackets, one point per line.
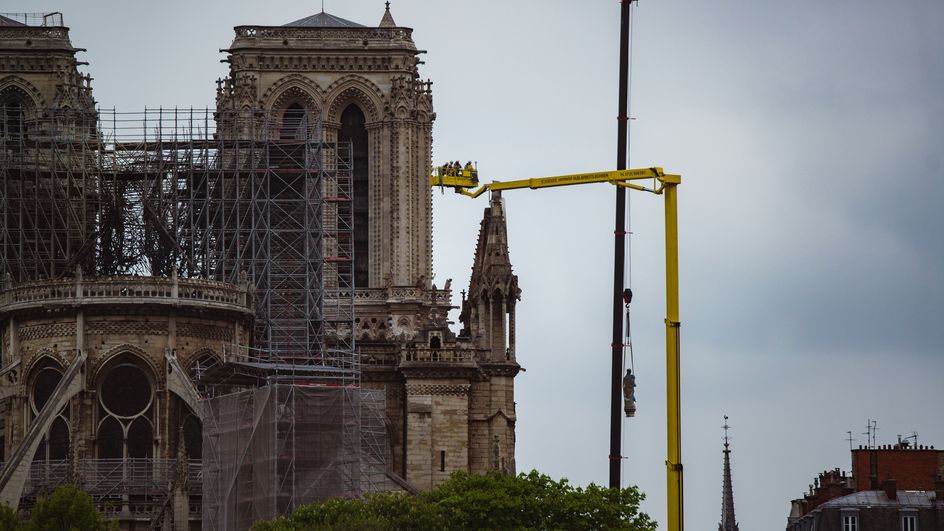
[8, 518]
[68, 508]
[470, 501]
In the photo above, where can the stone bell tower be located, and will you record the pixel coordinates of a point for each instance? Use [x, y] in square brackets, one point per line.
[360, 84]
[449, 398]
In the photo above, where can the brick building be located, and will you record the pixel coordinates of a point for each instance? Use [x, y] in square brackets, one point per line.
[891, 487]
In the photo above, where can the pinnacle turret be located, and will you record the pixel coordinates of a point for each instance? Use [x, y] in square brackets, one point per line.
[387, 20]
[728, 521]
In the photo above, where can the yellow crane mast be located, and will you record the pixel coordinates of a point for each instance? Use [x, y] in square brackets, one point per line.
[465, 181]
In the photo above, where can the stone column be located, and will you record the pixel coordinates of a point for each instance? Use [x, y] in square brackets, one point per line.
[511, 331]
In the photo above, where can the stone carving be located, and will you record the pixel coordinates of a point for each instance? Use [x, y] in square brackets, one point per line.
[437, 389]
[28, 333]
[126, 328]
[203, 331]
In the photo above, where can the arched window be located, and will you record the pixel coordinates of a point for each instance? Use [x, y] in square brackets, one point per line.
[353, 129]
[55, 444]
[125, 412]
[294, 123]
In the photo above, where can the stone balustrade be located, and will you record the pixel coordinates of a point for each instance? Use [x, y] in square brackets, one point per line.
[18, 33]
[342, 35]
[127, 290]
[427, 355]
[396, 294]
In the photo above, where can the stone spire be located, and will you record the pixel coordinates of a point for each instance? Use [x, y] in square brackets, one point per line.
[728, 522]
[387, 20]
[493, 287]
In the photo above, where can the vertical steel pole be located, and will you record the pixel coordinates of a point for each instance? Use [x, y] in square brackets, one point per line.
[619, 254]
[673, 460]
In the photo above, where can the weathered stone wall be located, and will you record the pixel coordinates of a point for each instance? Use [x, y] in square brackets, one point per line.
[138, 322]
[327, 69]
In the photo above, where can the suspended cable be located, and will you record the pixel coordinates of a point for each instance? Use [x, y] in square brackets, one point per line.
[628, 278]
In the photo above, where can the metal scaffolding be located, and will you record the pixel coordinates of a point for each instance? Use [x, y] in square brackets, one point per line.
[228, 196]
[270, 449]
[49, 192]
[214, 194]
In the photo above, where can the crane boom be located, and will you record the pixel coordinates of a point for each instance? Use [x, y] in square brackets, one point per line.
[465, 182]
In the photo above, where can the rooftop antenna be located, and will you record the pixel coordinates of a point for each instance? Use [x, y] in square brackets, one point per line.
[871, 426]
[322, 6]
[914, 436]
[850, 439]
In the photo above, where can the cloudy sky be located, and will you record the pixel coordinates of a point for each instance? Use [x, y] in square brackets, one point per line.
[810, 138]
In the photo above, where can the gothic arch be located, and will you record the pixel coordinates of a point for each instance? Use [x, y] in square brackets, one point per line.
[24, 91]
[199, 361]
[128, 350]
[294, 94]
[39, 364]
[127, 406]
[424, 108]
[201, 354]
[354, 89]
[309, 92]
[45, 374]
[44, 355]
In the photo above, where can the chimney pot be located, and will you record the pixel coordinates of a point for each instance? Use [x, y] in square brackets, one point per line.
[891, 489]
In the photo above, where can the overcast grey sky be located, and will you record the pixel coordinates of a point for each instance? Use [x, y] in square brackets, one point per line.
[810, 138]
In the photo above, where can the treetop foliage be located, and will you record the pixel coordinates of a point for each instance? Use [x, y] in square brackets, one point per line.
[471, 501]
[68, 508]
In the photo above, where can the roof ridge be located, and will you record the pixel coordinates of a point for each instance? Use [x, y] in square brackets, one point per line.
[323, 20]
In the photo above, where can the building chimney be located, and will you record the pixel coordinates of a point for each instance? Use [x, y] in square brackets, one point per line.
[891, 489]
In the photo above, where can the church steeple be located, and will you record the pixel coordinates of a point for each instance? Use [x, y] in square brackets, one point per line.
[728, 522]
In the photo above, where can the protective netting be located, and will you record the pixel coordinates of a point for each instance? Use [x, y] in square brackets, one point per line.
[270, 449]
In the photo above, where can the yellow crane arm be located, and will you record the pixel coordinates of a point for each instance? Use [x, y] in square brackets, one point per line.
[465, 183]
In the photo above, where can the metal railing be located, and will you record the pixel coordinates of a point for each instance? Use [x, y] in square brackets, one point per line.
[111, 478]
[46, 20]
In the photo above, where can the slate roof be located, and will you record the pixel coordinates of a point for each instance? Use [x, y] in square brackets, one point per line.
[877, 498]
[323, 20]
[4, 21]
